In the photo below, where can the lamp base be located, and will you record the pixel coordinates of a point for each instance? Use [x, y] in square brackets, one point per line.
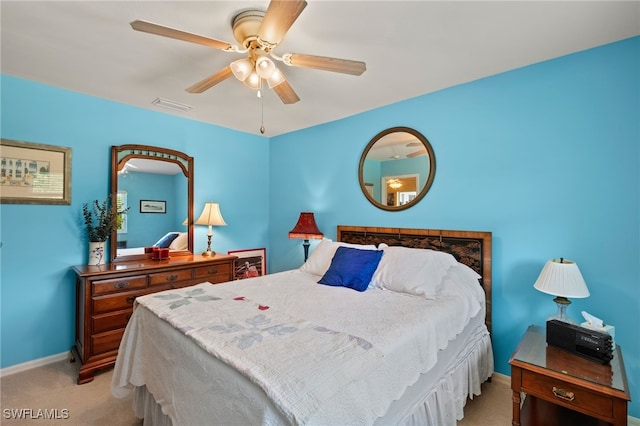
[208, 252]
[306, 245]
[561, 315]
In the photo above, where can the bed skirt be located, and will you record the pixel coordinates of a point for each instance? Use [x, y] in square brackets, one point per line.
[445, 402]
[442, 406]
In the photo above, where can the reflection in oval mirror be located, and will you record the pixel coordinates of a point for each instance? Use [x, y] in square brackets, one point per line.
[397, 168]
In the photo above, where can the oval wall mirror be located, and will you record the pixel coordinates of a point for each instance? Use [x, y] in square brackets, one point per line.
[156, 185]
[397, 168]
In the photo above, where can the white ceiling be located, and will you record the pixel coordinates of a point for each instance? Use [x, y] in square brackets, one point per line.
[410, 47]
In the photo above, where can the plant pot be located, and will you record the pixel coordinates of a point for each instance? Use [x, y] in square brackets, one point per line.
[97, 253]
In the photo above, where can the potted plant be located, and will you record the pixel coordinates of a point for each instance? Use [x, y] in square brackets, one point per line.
[100, 221]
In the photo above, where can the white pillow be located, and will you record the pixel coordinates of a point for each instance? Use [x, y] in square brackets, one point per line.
[414, 271]
[181, 242]
[463, 279]
[320, 258]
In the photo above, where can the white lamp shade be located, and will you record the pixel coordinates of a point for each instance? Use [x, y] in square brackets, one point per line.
[265, 67]
[276, 78]
[561, 277]
[253, 81]
[211, 215]
[242, 68]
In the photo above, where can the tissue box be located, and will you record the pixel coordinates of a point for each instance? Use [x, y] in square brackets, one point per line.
[606, 329]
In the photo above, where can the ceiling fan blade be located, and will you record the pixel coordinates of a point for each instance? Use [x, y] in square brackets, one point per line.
[324, 63]
[278, 18]
[286, 93]
[417, 153]
[211, 81]
[151, 28]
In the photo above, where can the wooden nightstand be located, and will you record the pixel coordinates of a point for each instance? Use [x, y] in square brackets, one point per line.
[565, 389]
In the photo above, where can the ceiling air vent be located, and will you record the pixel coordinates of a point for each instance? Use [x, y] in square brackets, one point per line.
[166, 103]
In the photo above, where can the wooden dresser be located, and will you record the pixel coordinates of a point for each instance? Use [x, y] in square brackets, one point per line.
[105, 296]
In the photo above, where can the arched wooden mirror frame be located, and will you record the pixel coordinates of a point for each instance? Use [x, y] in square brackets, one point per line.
[119, 157]
[430, 176]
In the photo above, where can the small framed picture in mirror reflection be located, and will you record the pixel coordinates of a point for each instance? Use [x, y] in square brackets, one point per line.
[153, 206]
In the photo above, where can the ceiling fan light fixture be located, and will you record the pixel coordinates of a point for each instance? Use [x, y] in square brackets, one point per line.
[253, 81]
[259, 32]
[265, 67]
[242, 68]
[275, 79]
[394, 183]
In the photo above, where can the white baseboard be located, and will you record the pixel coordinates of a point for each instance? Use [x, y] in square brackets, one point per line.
[502, 379]
[18, 368]
[506, 380]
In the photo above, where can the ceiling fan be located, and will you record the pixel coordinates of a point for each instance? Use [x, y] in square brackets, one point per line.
[258, 33]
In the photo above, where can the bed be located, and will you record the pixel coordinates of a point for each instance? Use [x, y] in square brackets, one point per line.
[172, 240]
[281, 349]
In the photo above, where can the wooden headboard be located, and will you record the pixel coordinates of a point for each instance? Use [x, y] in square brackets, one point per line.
[469, 247]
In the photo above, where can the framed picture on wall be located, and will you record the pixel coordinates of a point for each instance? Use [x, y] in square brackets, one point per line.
[250, 263]
[369, 187]
[153, 206]
[33, 173]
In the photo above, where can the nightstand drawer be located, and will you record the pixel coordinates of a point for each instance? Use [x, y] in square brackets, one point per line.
[568, 395]
[214, 273]
[170, 277]
[119, 284]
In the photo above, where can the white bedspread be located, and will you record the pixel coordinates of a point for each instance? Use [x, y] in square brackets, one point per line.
[392, 338]
[297, 363]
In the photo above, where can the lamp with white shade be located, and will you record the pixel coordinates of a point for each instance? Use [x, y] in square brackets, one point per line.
[562, 278]
[210, 217]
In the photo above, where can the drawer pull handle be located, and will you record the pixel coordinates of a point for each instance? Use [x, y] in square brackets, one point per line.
[122, 284]
[130, 299]
[563, 394]
[212, 271]
[172, 277]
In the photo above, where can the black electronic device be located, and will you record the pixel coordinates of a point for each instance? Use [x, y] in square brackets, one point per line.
[593, 345]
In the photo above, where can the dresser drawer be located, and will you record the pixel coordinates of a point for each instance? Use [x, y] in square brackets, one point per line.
[119, 284]
[106, 342]
[120, 301]
[566, 394]
[213, 273]
[101, 323]
[170, 277]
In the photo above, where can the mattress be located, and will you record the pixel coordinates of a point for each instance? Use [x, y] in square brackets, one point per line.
[446, 348]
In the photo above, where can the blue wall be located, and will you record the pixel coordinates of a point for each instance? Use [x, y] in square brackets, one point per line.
[41, 242]
[545, 157]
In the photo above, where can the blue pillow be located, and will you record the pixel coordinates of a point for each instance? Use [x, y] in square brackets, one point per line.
[166, 241]
[352, 268]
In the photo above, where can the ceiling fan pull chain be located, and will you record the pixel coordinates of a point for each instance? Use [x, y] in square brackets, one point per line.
[261, 110]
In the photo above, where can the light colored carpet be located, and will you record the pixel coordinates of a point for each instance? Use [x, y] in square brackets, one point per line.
[53, 388]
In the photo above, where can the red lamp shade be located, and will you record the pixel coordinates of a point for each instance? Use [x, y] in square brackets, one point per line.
[306, 228]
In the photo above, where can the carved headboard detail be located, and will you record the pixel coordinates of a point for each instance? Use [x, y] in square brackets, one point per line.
[473, 248]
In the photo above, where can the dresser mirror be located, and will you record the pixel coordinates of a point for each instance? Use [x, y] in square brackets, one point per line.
[397, 168]
[155, 186]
